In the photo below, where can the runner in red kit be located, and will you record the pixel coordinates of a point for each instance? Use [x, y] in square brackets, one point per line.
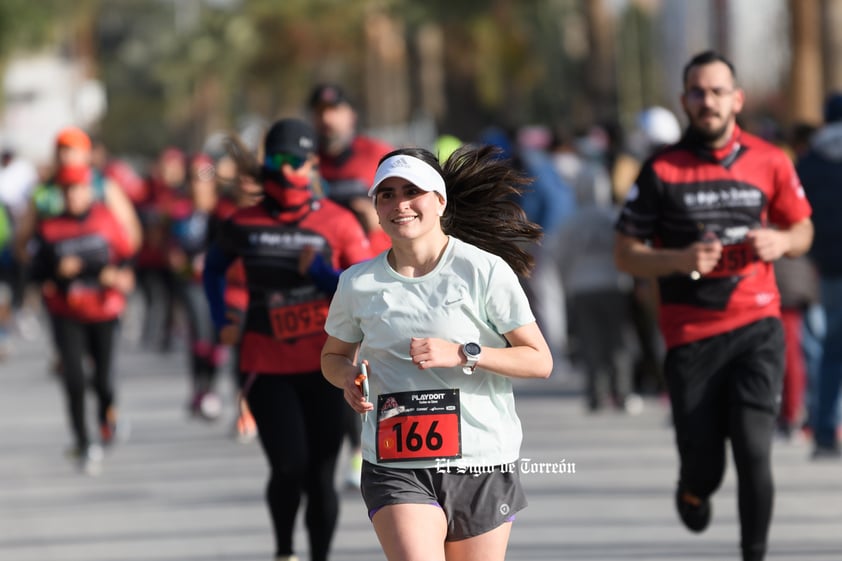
[166, 184]
[298, 414]
[82, 261]
[246, 191]
[193, 222]
[347, 160]
[707, 217]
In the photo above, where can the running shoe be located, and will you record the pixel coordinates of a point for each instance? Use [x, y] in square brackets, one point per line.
[827, 452]
[633, 404]
[28, 325]
[114, 429]
[286, 558]
[91, 462]
[206, 405]
[694, 512]
[87, 459]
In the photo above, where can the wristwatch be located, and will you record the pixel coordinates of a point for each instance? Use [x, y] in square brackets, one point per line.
[472, 352]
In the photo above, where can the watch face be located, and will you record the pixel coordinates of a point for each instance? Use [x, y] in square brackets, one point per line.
[472, 349]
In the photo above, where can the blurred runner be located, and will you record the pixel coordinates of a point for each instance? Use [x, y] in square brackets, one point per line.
[72, 160]
[192, 220]
[292, 246]
[81, 258]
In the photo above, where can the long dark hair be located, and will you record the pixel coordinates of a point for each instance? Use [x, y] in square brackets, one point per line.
[244, 158]
[481, 208]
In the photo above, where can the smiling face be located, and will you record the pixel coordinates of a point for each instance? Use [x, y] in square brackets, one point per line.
[712, 101]
[406, 211]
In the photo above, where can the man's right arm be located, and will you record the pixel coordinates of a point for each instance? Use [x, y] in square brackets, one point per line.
[639, 259]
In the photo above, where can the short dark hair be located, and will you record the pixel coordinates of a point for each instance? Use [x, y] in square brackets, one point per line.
[328, 95]
[707, 57]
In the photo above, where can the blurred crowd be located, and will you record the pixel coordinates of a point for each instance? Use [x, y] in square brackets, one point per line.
[601, 323]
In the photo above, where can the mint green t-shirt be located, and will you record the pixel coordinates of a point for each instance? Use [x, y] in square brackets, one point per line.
[471, 295]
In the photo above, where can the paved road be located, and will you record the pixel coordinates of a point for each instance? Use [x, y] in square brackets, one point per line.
[184, 490]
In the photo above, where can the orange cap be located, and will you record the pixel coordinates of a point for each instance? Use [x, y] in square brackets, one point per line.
[73, 137]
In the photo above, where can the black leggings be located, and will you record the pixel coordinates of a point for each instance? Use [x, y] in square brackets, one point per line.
[158, 287]
[299, 421]
[75, 341]
[353, 428]
[727, 387]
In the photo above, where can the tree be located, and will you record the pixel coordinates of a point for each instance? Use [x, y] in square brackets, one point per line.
[806, 66]
[832, 45]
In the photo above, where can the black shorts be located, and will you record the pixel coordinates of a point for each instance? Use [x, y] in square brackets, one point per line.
[473, 503]
[742, 368]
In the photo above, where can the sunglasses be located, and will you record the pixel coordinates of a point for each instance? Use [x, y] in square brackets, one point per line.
[276, 161]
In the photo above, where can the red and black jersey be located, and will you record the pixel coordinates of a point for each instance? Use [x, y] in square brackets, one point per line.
[236, 289]
[687, 193]
[225, 207]
[284, 325]
[154, 214]
[351, 173]
[98, 239]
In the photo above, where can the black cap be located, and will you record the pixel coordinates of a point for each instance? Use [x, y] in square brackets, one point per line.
[328, 94]
[290, 136]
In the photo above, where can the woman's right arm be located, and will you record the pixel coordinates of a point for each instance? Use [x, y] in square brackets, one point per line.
[339, 369]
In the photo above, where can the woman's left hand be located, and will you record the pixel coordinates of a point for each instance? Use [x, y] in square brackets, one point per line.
[430, 353]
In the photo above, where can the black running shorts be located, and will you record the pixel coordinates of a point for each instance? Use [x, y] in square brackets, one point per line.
[743, 367]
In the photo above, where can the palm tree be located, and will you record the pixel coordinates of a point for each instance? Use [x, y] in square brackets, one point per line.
[806, 65]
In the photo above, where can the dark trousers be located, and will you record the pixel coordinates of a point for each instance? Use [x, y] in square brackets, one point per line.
[75, 341]
[299, 421]
[601, 322]
[722, 388]
[158, 288]
[204, 351]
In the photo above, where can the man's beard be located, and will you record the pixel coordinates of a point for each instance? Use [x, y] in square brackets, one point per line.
[334, 143]
[707, 136]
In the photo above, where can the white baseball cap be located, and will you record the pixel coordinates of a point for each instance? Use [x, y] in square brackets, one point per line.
[416, 171]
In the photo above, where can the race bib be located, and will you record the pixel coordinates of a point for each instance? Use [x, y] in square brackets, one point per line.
[735, 260]
[419, 425]
[83, 298]
[292, 321]
[90, 302]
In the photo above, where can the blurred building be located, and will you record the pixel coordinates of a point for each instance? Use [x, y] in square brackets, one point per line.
[754, 34]
[42, 94]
